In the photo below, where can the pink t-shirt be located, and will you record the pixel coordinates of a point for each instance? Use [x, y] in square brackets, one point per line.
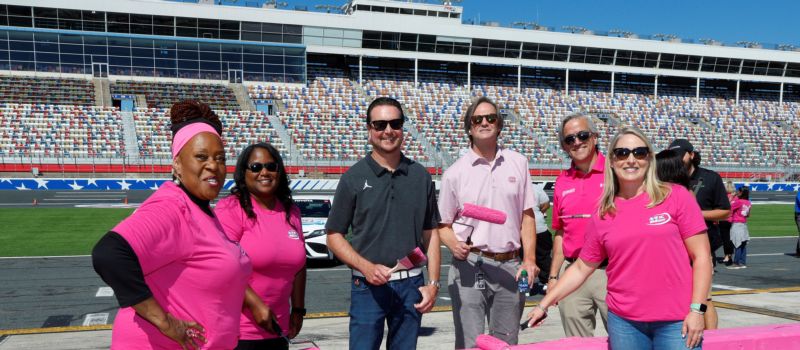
[503, 184]
[575, 199]
[649, 270]
[278, 253]
[740, 210]
[193, 270]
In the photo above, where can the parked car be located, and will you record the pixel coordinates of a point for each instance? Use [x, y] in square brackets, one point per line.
[314, 211]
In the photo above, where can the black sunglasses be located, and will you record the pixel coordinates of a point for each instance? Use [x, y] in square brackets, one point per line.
[638, 153]
[380, 125]
[256, 167]
[580, 135]
[490, 118]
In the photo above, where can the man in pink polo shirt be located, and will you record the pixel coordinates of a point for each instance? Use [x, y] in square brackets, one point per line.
[575, 201]
[486, 264]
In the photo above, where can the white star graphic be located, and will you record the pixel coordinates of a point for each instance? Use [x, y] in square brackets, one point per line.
[154, 187]
[91, 182]
[23, 188]
[41, 183]
[5, 180]
[75, 186]
[125, 186]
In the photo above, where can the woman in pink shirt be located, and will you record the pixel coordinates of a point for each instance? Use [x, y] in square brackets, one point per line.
[261, 215]
[179, 281]
[659, 265]
[740, 235]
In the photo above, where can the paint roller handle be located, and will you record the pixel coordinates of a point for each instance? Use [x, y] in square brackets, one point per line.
[526, 324]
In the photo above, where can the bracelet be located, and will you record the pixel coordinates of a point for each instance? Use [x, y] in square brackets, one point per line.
[553, 278]
[299, 310]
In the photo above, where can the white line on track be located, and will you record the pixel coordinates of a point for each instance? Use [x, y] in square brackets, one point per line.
[726, 287]
[104, 292]
[95, 319]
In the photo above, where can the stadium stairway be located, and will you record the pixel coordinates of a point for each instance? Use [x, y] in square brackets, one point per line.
[513, 117]
[283, 134]
[102, 92]
[242, 97]
[129, 136]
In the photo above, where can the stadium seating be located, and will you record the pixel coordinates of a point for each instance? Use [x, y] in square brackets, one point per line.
[163, 95]
[30, 90]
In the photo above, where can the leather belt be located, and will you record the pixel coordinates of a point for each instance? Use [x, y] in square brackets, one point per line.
[496, 256]
[399, 275]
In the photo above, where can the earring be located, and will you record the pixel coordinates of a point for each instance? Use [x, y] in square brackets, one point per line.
[177, 181]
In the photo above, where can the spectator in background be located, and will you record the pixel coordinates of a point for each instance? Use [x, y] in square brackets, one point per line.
[261, 215]
[709, 190]
[740, 211]
[179, 282]
[544, 239]
[725, 227]
[797, 222]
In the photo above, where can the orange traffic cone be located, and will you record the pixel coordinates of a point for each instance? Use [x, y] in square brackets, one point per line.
[35, 202]
[125, 200]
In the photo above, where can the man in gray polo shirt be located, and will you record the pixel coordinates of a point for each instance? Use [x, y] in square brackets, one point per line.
[389, 201]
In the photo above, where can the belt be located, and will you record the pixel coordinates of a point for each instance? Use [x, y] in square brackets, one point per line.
[399, 275]
[602, 264]
[496, 256]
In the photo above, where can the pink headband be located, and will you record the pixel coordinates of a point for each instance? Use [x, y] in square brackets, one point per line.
[186, 133]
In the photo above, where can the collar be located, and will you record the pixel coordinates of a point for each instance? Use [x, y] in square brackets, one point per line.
[474, 158]
[598, 167]
[202, 204]
[379, 170]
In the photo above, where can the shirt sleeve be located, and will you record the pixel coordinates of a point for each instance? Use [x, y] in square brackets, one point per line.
[432, 212]
[448, 202]
[720, 194]
[593, 250]
[116, 263]
[159, 233]
[232, 217]
[556, 223]
[342, 208]
[688, 215]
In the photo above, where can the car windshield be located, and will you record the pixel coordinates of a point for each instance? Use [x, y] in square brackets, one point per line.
[313, 208]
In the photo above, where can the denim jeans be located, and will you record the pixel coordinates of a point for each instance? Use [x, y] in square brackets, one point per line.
[392, 303]
[659, 335]
[740, 256]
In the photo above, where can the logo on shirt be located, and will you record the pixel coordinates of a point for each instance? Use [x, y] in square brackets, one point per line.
[659, 219]
[512, 179]
[366, 185]
[293, 234]
[564, 193]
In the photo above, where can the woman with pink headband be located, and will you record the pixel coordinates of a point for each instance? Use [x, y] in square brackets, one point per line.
[179, 281]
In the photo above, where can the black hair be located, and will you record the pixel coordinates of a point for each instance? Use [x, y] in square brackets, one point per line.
[744, 193]
[471, 111]
[188, 112]
[385, 101]
[283, 193]
[670, 168]
[696, 159]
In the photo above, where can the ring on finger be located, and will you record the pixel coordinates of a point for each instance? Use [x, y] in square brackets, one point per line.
[191, 333]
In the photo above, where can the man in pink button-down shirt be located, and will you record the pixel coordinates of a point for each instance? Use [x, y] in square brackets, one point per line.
[575, 201]
[486, 263]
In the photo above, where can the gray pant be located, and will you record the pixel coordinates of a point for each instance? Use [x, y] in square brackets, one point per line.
[579, 309]
[499, 302]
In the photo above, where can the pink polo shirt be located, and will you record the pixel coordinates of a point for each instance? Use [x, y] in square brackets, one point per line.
[194, 272]
[503, 184]
[649, 269]
[277, 251]
[575, 200]
[740, 209]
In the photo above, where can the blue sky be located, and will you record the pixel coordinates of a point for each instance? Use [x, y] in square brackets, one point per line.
[768, 22]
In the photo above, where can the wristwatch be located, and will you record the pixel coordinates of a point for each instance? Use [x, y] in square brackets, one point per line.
[553, 278]
[698, 307]
[299, 310]
[435, 284]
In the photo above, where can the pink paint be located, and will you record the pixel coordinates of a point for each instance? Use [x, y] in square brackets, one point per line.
[414, 259]
[488, 342]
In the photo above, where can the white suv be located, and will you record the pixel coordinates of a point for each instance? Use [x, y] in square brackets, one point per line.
[314, 211]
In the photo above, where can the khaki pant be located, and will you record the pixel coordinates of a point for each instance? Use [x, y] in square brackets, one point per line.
[579, 309]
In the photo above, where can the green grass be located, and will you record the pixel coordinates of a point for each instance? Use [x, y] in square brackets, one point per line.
[74, 231]
[55, 231]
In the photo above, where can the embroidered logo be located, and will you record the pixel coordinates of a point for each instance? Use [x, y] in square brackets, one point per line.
[366, 185]
[659, 219]
[293, 234]
[564, 193]
[512, 179]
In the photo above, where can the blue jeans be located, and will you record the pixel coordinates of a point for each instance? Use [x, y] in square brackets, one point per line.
[393, 303]
[659, 335]
[740, 255]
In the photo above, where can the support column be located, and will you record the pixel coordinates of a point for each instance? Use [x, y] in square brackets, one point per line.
[416, 72]
[697, 90]
[737, 91]
[655, 87]
[612, 84]
[360, 69]
[780, 97]
[566, 83]
[469, 77]
[519, 79]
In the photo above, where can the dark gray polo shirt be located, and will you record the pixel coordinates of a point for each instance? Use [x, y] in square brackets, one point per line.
[387, 211]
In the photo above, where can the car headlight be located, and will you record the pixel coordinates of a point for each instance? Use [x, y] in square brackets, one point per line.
[315, 233]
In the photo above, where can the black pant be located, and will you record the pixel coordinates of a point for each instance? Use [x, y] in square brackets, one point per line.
[797, 222]
[725, 233]
[263, 344]
[544, 248]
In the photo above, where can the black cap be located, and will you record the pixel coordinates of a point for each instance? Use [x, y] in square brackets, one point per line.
[681, 146]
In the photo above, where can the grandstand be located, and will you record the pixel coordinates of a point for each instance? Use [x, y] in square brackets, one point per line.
[91, 82]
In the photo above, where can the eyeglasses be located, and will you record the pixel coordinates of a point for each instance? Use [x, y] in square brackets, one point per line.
[256, 167]
[490, 118]
[580, 135]
[380, 125]
[638, 153]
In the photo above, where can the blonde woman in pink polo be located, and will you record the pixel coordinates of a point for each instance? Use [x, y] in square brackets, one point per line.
[659, 264]
[179, 281]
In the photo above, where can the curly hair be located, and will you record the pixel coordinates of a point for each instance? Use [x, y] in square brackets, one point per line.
[283, 193]
[191, 111]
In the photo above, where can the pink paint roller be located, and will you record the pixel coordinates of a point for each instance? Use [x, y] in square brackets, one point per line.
[484, 214]
[488, 342]
[414, 259]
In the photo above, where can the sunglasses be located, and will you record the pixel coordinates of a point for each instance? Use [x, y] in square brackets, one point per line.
[580, 135]
[490, 118]
[256, 167]
[380, 125]
[638, 153]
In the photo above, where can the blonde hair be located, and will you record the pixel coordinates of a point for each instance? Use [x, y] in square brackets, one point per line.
[656, 190]
[729, 187]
